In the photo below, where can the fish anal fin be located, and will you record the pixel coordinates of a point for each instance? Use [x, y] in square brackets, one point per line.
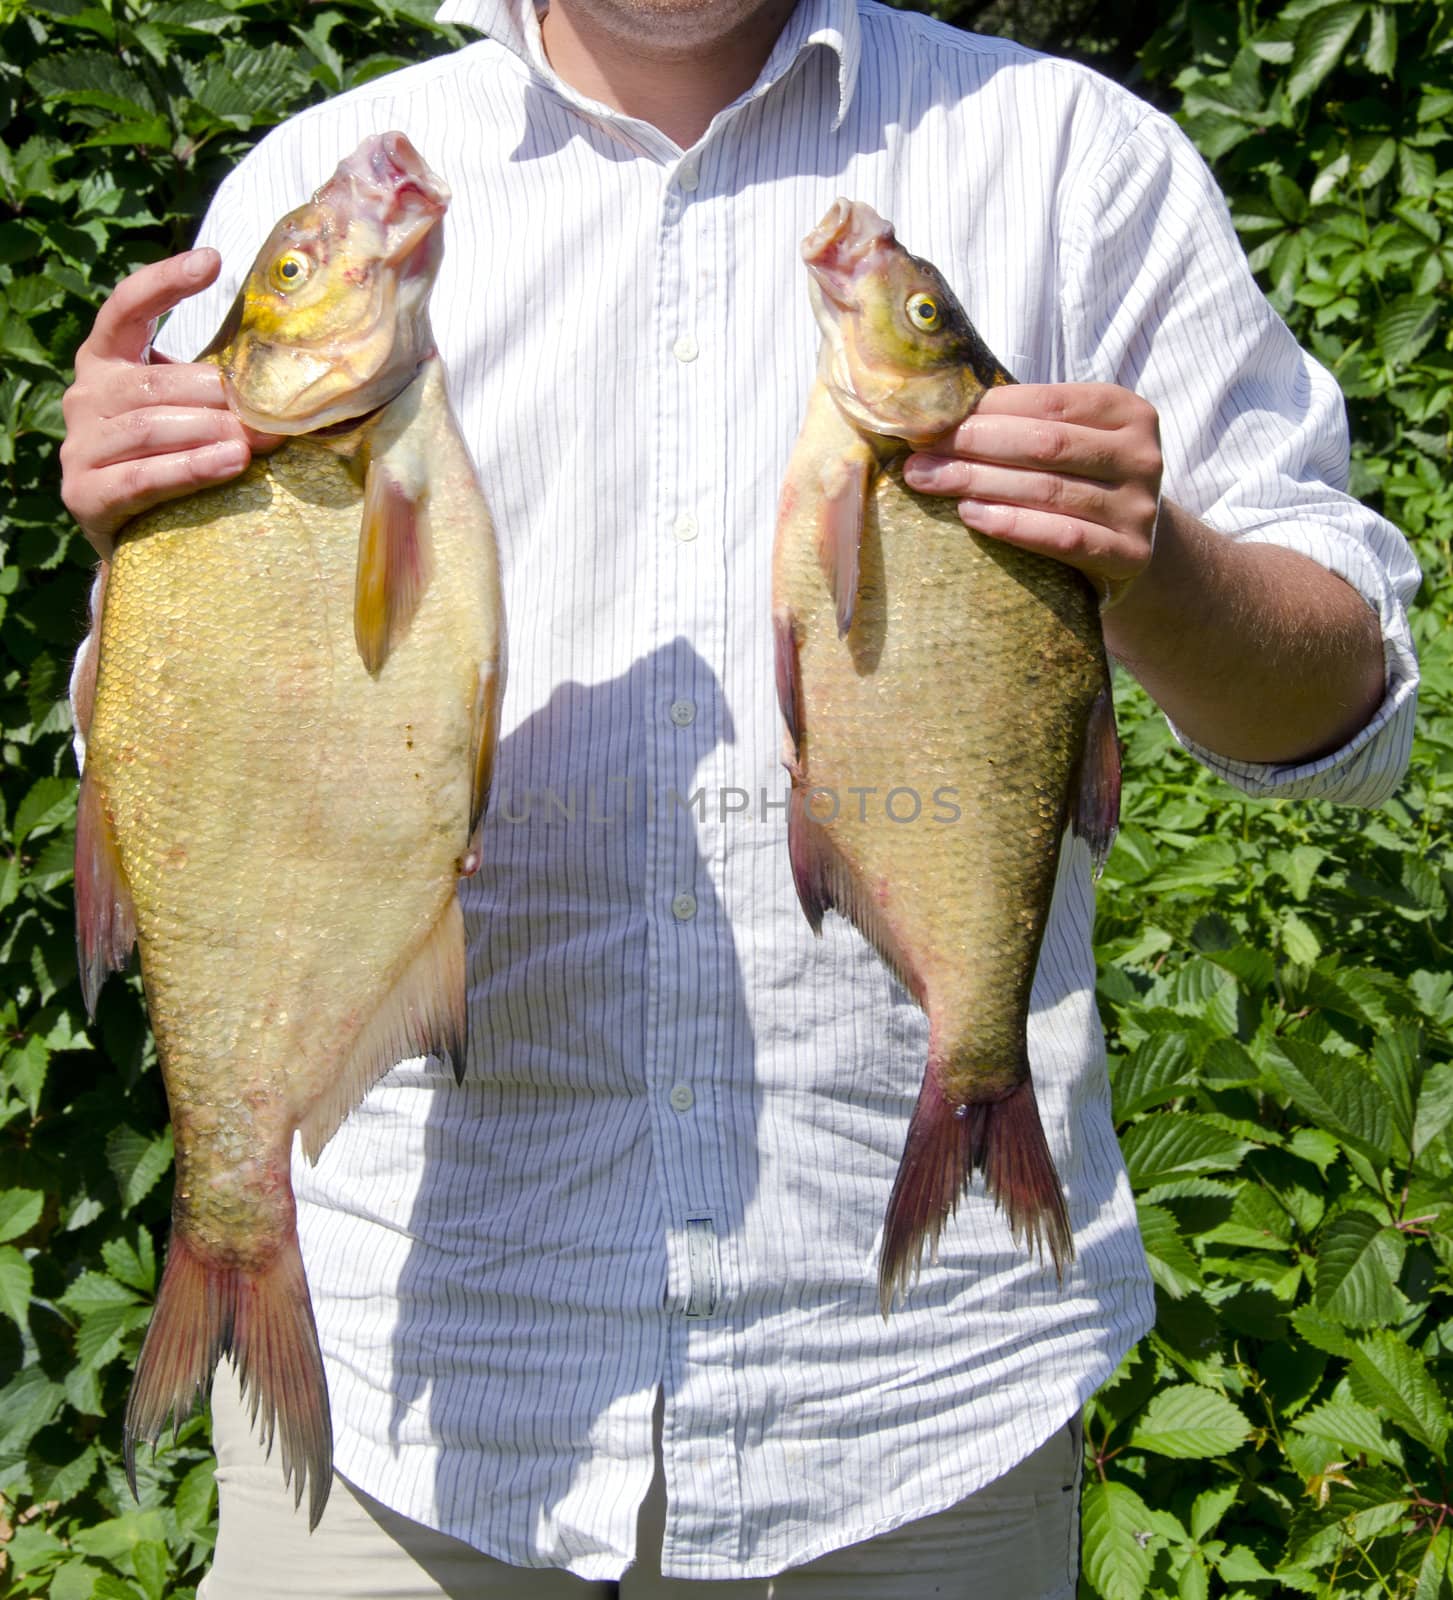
[814, 861]
[263, 1318]
[1096, 800]
[486, 740]
[947, 1142]
[845, 481]
[105, 915]
[393, 561]
[422, 1014]
[826, 881]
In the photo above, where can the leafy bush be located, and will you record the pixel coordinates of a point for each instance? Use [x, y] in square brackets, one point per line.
[1275, 978]
[118, 121]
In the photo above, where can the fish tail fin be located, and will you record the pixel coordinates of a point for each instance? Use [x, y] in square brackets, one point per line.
[946, 1144]
[264, 1319]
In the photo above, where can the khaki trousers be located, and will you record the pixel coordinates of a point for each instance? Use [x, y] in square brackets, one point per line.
[1016, 1539]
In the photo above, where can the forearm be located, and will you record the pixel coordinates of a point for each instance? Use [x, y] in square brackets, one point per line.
[1255, 652]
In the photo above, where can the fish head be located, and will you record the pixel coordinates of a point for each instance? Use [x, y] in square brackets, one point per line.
[900, 355]
[333, 320]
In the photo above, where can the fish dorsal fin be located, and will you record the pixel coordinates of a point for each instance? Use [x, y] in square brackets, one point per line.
[845, 481]
[1096, 793]
[105, 915]
[394, 557]
[422, 1014]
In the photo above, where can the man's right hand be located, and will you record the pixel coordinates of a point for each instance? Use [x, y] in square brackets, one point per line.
[141, 429]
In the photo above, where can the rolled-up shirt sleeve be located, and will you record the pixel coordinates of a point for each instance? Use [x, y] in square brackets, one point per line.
[1158, 296]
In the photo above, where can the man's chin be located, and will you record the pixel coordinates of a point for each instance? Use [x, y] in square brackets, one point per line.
[678, 25]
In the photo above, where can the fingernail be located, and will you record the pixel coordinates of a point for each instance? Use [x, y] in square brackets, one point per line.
[196, 264]
[921, 471]
[230, 456]
[975, 511]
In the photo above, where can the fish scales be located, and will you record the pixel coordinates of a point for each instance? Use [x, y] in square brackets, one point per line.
[937, 746]
[289, 741]
[267, 946]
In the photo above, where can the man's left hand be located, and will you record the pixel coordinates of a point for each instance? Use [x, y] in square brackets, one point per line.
[1070, 470]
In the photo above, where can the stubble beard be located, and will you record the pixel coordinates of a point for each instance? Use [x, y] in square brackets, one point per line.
[675, 28]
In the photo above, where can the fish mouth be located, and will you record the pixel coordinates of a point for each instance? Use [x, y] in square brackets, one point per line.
[387, 181]
[841, 245]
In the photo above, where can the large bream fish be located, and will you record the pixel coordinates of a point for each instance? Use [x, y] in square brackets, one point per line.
[914, 655]
[287, 763]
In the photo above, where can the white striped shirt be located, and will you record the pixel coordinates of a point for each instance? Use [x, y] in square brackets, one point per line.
[670, 1160]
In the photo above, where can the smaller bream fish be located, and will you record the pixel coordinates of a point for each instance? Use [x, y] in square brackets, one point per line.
[915, 655]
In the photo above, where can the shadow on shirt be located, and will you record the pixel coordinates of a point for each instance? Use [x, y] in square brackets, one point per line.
[580, 1189]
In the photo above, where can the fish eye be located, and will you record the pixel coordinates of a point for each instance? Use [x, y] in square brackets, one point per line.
[923, 312]
[290, 269]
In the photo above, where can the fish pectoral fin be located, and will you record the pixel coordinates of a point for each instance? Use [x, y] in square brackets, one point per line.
[422, 1014]
[105, 914]
[1096, 802]
[486, 738]
[394, 562]
[789, 684]
[845, 481]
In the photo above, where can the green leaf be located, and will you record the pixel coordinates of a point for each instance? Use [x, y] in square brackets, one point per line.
[152, 1567]
[1337, 1093]
[27, 1403]
[1435, 1570]
[133, 1265]
[1320, 43]
[196, 1496]
[1287, 197]
[1404, 327]
[1164, 1146]
[92, 1290]
[1189, 1422]
[19, 1211]
[48, 802]
[16, 1283]
[1382, 41]
[1435, 1106]
[1158, 1069]
[1392, 1378]
[77, 1580]
[101, 1334]
[1116, 1532]
[137, 1163]
[1171, 1262]
[1209, 862]
[1358, 1262]
[1351, 1427]
[1210, 1506]
[1397, 1060]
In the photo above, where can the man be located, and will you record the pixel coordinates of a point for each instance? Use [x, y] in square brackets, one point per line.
[661, 1185]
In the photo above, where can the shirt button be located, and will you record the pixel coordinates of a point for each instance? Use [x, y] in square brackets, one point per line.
[685, 527]
[683, 1097]
[686, 348]
[688, 179]
[683, 713]
[683, 907]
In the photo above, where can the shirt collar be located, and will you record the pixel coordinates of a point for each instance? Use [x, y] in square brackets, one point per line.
[515, 24]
